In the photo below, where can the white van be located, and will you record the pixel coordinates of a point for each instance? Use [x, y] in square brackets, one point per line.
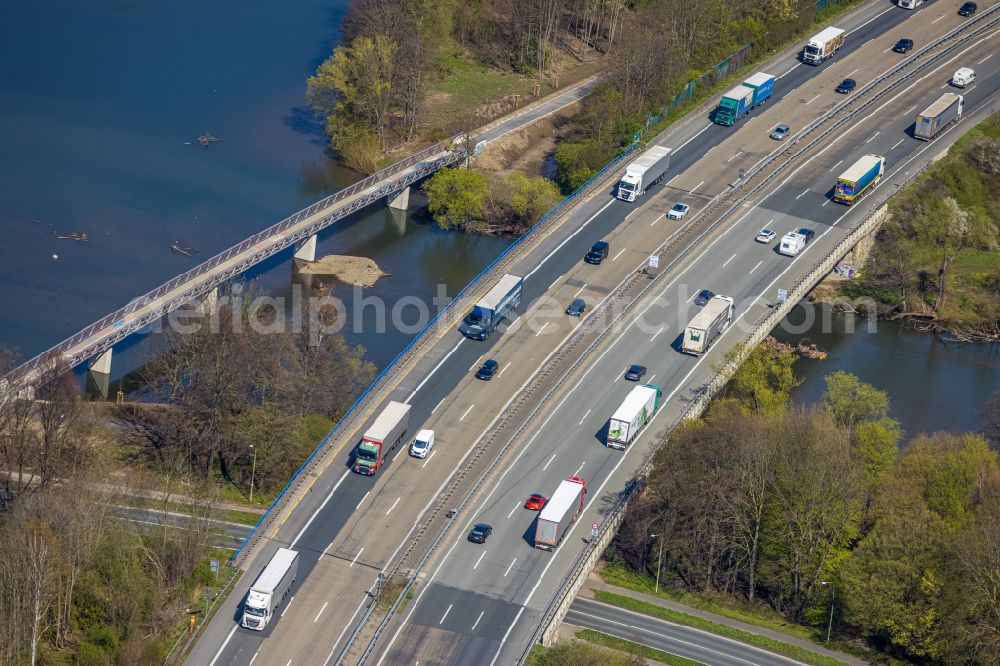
[791, 244]
[910, 4]
[422, 444]
[963, 77]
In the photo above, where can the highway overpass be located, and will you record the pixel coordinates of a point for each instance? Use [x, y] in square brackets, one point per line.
[475, 600]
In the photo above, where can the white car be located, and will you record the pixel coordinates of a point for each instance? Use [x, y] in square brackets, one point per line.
[422, 444]
[765, 236]
[678, 211]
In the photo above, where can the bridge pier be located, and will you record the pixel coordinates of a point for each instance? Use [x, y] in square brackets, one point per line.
[400, 201]
[395, 219]
[306, 250]
[100, 372]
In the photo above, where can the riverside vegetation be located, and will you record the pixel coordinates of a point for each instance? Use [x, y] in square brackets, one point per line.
[80, 586]
[781, 511]
[936, 259]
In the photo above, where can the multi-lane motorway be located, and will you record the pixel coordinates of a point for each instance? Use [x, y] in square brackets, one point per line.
[485, 599]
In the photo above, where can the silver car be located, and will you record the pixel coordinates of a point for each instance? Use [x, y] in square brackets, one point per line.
[780, 132]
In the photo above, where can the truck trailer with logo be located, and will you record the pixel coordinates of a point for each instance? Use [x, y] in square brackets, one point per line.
[383, 436]
[270, 589]
[634, 413]
[492, 308]
[559, 513]
[862, 176]
[823, 45]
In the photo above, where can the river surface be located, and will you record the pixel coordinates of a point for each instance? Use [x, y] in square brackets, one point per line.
[100, 105]
[932, 385]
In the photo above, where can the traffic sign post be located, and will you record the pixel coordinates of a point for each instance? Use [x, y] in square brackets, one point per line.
[593, 531]
[782, 295]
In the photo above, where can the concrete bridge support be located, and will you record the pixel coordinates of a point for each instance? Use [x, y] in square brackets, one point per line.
[400, 201]
[395, 220]
[100, 372]
[306, 250]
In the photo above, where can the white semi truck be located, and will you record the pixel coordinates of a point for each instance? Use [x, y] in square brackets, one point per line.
[713, 318]
[823, 45]
[559, 513]
[644, 172]
[270, 588]
[634, 413]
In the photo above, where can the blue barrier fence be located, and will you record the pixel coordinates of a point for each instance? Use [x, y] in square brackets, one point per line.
[434, 321]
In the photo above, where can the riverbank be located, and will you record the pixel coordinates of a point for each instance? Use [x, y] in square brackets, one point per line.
[359, 271]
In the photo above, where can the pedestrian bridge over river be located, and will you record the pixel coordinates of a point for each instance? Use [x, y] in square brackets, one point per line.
[94, 343]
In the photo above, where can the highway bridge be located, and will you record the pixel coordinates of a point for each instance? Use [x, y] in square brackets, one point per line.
[391, 184]
[541, 419]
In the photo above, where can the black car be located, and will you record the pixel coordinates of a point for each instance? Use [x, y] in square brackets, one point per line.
[703, 297]
[903, 45]
[480, 533]
[808, 233]
[635, 373]
[598, 253]
[576, 308]
[847, 86]
[488, 370]
[968, 9]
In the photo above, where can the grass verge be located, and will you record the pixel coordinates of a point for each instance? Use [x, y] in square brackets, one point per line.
[637, 649]
[796, 652]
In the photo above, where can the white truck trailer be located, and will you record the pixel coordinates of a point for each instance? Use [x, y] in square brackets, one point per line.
[270, 588]
[633, 414]
[559, 513]
[945, 110]
[644, 172]
[492, 308]
[713, 318]
[823, 45]
[383, 436]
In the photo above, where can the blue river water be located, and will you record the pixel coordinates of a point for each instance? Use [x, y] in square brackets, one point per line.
[100, 105]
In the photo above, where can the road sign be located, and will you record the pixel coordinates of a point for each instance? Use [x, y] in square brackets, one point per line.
[654, 261]
[593, 531]
[478, 150]
[213, 566]
[782, 295]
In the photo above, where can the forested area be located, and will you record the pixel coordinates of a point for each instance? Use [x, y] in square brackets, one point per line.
[936, 260]
[795, 509]
[227, 404]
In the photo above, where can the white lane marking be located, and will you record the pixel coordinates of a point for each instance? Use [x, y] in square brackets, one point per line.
[656, 219]
[585, 416]
[504, 368]
[832, 168]
[813, 99]
[667, 184]
[789, 70]
[937, 19]
[555, 282]
[735, 156]
[618, 255]
[630, 213]
[541, 329]
[327, 549]
[316, 513]
[549, 462]
[479, 560]
[756, 267]
[804, 192]
[708, 151]
[578, 291]
[577, 472]
[852, 73]
[513, 510]
[651, 377]
[325, 604]
[445, 614]
[945, 84]
[692, 297]
[749, 121]
[439, 404]
[699, 133]
[287, 606]
[223, 646]
[825, 203]
[477, 361]
[567, 239]
[985, 59]
[505, 574]
[361, 501]
[896, 145]
[657, 333]
[734, 256]
[393, 506]
[889, 9]
[289, 662]
[969, 89]
[254, 657]
[474, 624]
[697, 186]
[431, 373]
[886, 51]
[428, 459]
[909, 110]
[462, 417]
[355, 559]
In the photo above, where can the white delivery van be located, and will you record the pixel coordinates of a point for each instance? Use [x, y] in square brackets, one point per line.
[422, 444]
[963, 77]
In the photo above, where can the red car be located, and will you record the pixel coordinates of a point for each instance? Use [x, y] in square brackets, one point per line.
[535, 502]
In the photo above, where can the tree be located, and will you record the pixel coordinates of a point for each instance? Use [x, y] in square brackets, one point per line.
[763, 380]
[849, 400]
[877, 445]
[991, 420]
[531, 198]
[457, 198]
